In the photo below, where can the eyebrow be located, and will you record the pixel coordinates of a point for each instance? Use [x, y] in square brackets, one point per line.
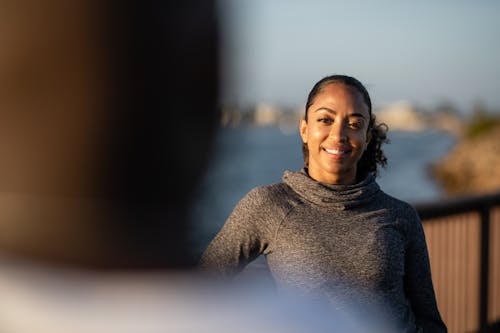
[356, 114]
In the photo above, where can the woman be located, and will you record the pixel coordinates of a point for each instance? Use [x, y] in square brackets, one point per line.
[329, 229]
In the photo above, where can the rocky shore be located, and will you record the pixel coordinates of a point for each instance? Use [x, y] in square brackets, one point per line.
[473, 166]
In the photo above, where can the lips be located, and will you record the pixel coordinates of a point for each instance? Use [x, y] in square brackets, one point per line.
[337, 152]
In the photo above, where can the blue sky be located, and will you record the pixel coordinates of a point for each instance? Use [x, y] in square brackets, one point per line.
[424, 52]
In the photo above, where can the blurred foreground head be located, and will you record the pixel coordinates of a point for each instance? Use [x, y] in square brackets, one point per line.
[107, 113]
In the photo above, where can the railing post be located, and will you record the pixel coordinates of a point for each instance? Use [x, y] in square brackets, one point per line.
[485, 251]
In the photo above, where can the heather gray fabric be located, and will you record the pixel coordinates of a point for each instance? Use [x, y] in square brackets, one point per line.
[346, 242]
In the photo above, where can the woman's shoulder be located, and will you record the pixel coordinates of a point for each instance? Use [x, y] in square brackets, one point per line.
[272, 196]
[400, 208]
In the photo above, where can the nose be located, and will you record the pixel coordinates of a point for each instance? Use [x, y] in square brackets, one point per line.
[338, 132]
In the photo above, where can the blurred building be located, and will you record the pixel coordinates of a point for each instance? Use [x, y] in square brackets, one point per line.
[401, 116]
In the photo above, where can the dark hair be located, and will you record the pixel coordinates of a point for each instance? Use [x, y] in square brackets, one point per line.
[373, 154]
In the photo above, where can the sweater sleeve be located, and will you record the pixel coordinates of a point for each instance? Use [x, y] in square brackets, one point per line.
[418, 281]
[246, 234]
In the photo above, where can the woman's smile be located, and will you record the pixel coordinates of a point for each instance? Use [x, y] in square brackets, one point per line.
[337, 152]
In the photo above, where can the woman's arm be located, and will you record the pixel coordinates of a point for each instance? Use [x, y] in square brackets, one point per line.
[246, 234]
[418, 282]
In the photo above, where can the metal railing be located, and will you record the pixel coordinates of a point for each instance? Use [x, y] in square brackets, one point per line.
[463, 237]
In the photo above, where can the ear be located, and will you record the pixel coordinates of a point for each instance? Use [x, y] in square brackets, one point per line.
[368, 138]
[303, 130]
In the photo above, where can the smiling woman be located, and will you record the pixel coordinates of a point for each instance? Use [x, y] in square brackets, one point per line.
[328, 230]
[336, 134]
[340, 95]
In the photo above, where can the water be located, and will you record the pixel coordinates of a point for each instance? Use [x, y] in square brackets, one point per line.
[409, 157]
[248, 157]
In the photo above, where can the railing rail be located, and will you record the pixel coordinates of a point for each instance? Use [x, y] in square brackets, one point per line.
[444, 210]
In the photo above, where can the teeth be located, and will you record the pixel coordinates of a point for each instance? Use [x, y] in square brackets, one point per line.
[335, 151]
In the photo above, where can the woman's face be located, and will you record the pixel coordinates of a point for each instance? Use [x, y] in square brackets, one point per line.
[336, 133]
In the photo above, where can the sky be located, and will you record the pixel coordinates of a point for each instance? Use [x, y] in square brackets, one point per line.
[423, 52]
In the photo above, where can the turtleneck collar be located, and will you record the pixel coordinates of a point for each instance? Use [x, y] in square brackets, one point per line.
[339, 197]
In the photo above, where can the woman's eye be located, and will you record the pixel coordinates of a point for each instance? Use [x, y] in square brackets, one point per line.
[327, 121]
[355, 125]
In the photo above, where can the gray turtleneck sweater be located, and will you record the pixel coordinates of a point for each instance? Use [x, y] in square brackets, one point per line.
[346, 242]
